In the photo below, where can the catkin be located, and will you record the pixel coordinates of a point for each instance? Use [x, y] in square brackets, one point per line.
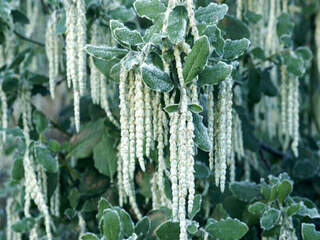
[210, 123]
[148, 119]
[190, 163]
[295, 118]
[4, 112]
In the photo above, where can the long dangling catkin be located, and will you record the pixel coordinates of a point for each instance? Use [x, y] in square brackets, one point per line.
[190, 164]
[284, 96]
[317, 39]
[9, 218]
[290, 103]
[210, 123]
[239, 9]
[295, 118]
[148, 119]
[139, 119]
[94, 72]
[192, 19]
[174, 164]
[82, 38]
[4, 112]
[121, 190]
[229, 116]
[132, 126]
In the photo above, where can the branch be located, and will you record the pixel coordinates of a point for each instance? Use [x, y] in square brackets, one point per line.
[28, 39]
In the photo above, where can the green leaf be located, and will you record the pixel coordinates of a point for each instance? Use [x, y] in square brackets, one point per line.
[40, 121]
[126, 222]
[253, 17]
[215, 74]
[215, 38]
[45, 159]
[195, 108]
[284, 25]
[168, 230]
[234, 28]
[15, 132]
[142, 227]
[177, 23]
[245, 191]
[193, 227]
[304, 53]
[309, 232]
[24, 225]
[196, 206]
[104, 66]
[37, 79]
[127, 37]
[196, 59]
[292, 209]
[229, 229]
[284, 189]
[115, 72]
[5, 11]
[270, 218]
[102, 205]
[171, 108]
[121, 13]
[304, 211]
[114, 24]
[201, 137]
[19, 17]
[258, 53]
[89, 236]
[155, 78]
[105, 52]
[111, 225]
[105, 156]
[201, 170]
[153, 33]
[235, 48]
[74, 197]
[257, 208]
[149, 9]
[17, 171]
[294, 64]
[211, 14]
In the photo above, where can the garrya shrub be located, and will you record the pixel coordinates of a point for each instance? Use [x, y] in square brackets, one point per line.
[160, 119]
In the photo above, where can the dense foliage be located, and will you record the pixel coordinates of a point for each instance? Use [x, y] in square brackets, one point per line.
[160, 119]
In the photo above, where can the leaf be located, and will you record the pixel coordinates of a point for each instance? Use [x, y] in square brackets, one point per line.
[294, 64]
[305, 54]
[126, 222]
[149, 9]
[37, 79]
[111, 225]
[153, 33]
[292, 209]
[195, 108]
[142, 227]
[211, 14]
[215, 74]
[234, 28]
[115, 72]
[309, 232]
[201, 137]
[127, 37]
[24, 225]
[196, 59]
[257, 208]
[245, 190]
[201, 170]
[304, 211]
[235, 48]
[193, 228]
[45, 159]
[177, 23]
[215, 38]
[105, 52]
[15, 132]
[104, 66]
[284, 189]
[102, 205]
[196, 206]
[17, 170]
[229, 229]
[168, 230]
[284, 25]
[171, 108]
[40, 121]
[105, 156]
[270, 218]
[121, 13]
[89, 236]
[19, 17]
[155, 78]
[74, 197]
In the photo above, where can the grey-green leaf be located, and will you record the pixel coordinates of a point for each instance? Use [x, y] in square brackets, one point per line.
[196, 206]
[89, 236]
[142, 227]
[155, 78]
[24, 225]
[17, 170]
[171, 108]
[284, 25]
[45, 159]
[111, 225]
[212, 13]
[284, 189]
[127, 36]
[294, 64]
[309, 232]
[102, 205]
[168, 230]
[229, 229]
[196, 59]
[177, 24]
[149, 9]
[196, 108]
[257, 208]
[245, 190]
[235, 48]
[126, 222]
[201, 137]
[105, 52]
[215, 74]
[270, 219]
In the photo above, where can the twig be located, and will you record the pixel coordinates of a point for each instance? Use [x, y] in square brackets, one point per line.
[28, 39]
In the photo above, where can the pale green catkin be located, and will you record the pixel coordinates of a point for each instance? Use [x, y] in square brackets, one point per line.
[210, 123]
[4, 113]
[148, 120]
